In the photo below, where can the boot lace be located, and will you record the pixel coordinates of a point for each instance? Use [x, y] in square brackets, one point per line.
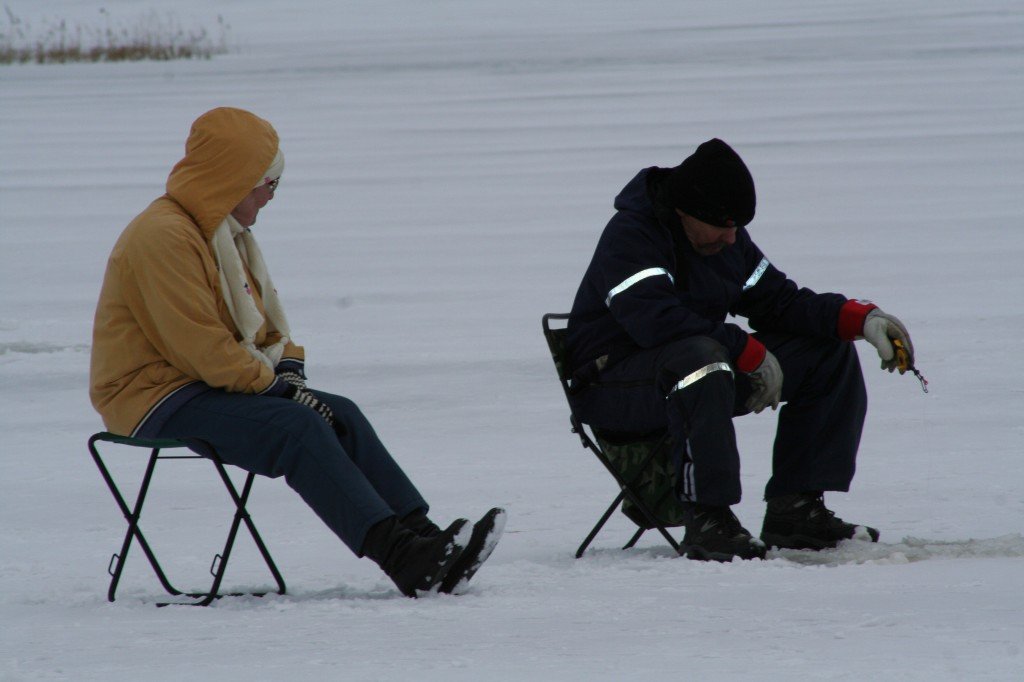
[820, 514]
[720, 520]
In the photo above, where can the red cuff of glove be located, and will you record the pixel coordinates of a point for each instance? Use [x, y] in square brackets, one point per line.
[851, 318]
[752, 356]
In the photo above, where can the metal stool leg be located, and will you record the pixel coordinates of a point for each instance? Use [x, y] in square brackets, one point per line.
[626, 492]
[240, 501]
[600, 524]
[131, 515]
[636, 536]
[220, 561]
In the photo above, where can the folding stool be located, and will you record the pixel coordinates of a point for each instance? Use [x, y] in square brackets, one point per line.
[220, 561]
[600, 444]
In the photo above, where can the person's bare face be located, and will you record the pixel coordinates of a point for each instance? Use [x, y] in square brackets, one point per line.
[706, 239]
[247, 210]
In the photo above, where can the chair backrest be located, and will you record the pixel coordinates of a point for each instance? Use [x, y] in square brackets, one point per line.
[628, 459]
[555, 337]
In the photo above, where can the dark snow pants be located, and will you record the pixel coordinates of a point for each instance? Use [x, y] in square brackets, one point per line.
[690, 388]
[346, 476]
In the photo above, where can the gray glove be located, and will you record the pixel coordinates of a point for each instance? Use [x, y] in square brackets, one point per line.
[767, 383]
[880, 329]
[305, 397]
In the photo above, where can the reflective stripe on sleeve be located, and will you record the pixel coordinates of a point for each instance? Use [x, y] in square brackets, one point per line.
[756, 276]
[694, 377]
[630, 281]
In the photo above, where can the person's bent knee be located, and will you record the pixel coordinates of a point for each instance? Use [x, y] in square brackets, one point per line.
[692, 350]
[682, 361]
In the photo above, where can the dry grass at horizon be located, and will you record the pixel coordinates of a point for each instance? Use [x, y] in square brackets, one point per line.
[153, 36]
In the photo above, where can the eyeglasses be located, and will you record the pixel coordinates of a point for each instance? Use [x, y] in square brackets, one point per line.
[272, 184]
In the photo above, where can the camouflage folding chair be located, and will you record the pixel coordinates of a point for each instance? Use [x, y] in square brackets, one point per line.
[639, 463]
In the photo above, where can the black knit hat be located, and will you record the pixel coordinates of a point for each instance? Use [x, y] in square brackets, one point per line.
[713, 185]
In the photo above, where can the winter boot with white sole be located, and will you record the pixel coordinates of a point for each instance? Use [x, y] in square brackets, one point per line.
[802, 521]
[416, 564]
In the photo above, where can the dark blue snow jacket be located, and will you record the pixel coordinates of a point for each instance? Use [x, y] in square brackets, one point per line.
[646, 287]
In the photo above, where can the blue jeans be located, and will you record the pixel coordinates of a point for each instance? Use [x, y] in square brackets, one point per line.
[345, 475]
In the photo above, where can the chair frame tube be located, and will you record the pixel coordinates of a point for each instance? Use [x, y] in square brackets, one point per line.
[625, 487]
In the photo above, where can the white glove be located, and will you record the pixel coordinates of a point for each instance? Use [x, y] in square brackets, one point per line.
[767, 383]
[879, 330]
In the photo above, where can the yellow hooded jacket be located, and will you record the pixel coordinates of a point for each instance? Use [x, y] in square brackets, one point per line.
[162, 331]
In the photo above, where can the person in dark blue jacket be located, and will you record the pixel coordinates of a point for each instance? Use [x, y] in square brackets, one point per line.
[650, 349]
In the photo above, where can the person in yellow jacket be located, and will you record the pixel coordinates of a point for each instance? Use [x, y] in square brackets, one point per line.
[190, 341]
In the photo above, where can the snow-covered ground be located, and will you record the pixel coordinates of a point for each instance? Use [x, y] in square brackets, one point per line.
[450, 166]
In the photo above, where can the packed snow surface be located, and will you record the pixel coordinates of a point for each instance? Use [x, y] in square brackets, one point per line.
[450, 165]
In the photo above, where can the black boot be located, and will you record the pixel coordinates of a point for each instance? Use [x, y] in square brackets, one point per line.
[802, 521]
[486, 533]
[415, 564]
[419, 523]
[715, 534]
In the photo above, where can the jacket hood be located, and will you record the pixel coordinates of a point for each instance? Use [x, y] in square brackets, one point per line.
[634, 196]
[226, 154]
[643, 195]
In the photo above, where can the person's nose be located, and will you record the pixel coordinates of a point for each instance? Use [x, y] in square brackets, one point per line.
[730, 236]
